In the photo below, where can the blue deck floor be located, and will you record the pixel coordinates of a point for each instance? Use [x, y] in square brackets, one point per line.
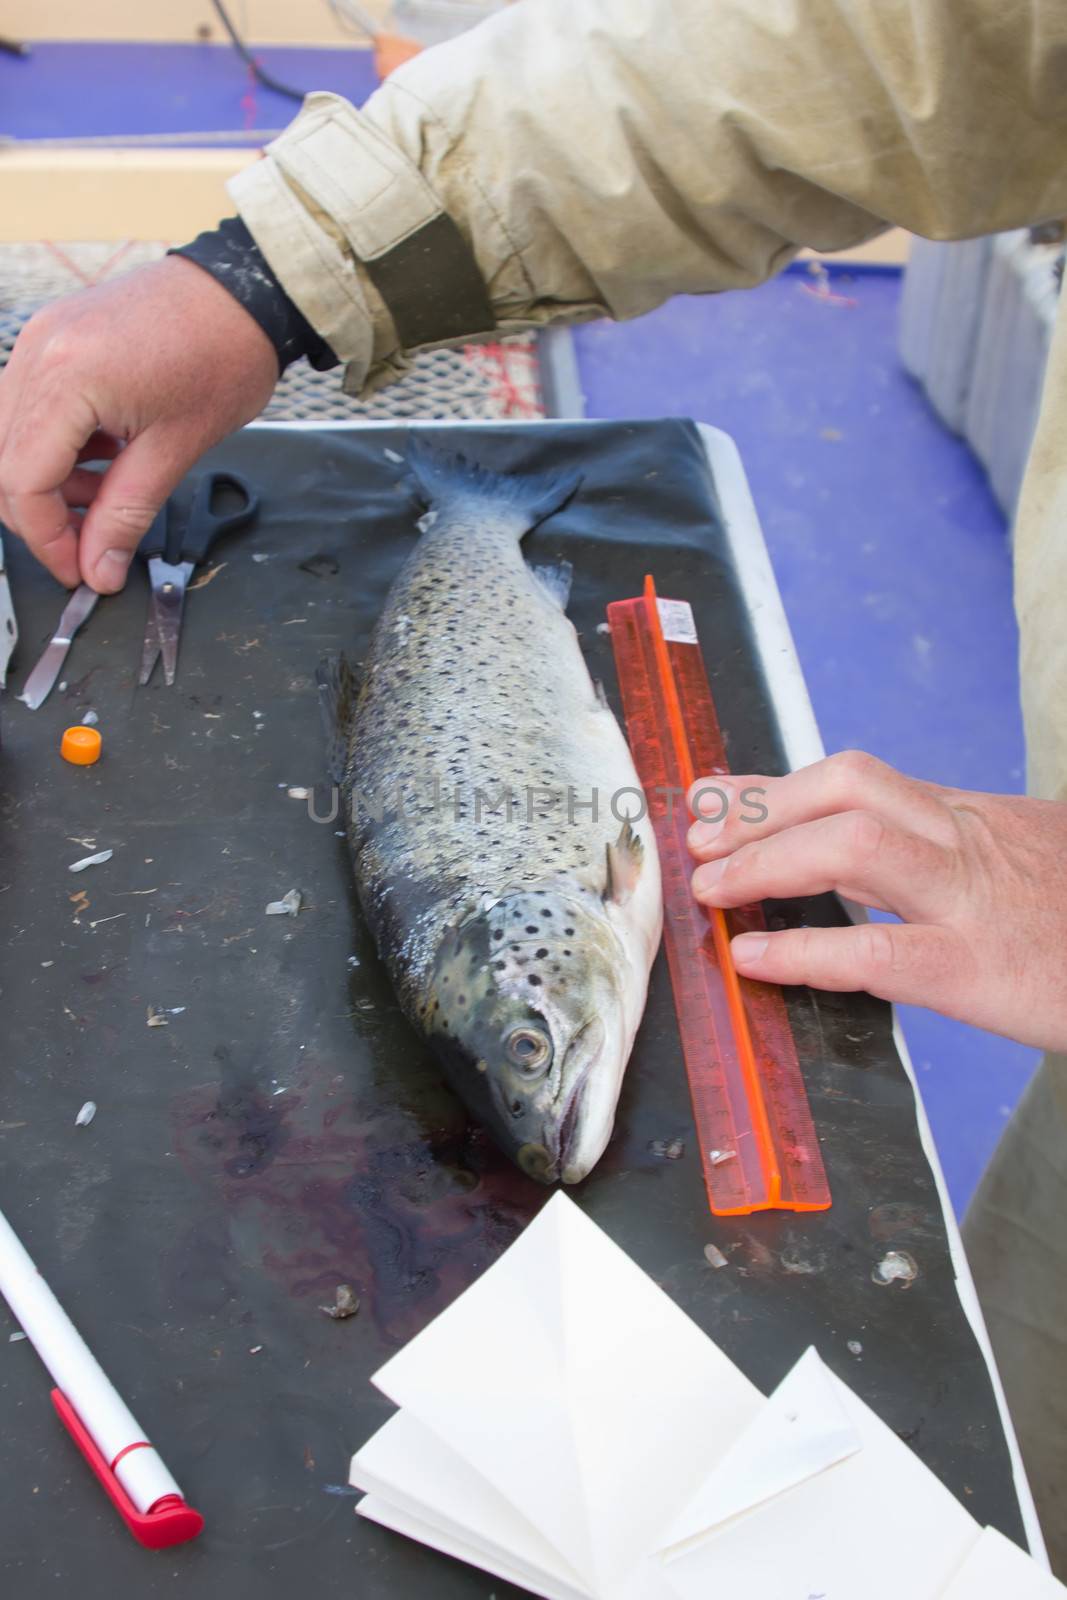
[890, 552]
[67, 90]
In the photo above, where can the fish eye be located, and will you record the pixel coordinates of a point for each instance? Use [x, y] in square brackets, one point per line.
[530, 1050]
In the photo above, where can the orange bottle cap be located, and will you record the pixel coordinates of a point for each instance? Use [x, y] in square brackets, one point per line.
[81, 746]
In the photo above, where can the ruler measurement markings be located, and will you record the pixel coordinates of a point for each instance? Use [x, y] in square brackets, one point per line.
[758, 1147]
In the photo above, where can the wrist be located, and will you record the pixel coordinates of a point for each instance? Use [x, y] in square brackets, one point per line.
[230, 255]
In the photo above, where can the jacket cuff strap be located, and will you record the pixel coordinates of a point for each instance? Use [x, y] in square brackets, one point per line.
[431, 284]
[336, 199]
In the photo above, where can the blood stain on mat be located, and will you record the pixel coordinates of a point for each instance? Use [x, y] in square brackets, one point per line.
[318, 1190]
[240, 1122]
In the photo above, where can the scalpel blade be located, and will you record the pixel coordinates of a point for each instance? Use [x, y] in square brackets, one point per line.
[8, 627]
[41, 680]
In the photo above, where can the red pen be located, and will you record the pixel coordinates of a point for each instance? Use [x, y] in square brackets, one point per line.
[130, 1471]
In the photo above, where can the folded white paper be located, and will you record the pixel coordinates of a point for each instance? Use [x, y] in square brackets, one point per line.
[800, 1430]
[996, 1569]
[538, 1379]
[565, 1426]
[876, 1526]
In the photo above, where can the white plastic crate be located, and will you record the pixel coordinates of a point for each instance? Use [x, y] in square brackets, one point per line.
[976, 321]
[941, 308]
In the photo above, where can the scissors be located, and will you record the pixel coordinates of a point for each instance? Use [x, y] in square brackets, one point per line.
[171, 558]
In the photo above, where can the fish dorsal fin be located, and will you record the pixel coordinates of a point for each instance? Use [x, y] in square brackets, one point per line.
[337, 701]
[626, 857]
[556, 581]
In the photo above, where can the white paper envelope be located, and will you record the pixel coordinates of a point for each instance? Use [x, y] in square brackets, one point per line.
[802, 1429]
[388, 1515]
[559, 1413]
[411, 1475]
[877, 1525]
[996, 1569]
[565, 1426]
[570, 1382]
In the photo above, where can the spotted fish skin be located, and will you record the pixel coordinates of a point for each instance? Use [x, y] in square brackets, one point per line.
[517, 924]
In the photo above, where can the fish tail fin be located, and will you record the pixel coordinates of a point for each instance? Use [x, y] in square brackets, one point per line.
[337, 701]
[441, 478]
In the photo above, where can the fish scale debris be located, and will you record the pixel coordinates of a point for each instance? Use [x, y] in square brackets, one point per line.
[345, 1303]
[288, 906]
[91, 861]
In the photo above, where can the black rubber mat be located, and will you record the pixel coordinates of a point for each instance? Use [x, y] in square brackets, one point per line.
[284, 1132]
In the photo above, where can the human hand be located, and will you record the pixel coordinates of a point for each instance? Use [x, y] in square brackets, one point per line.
[979, 880]
[147, 371]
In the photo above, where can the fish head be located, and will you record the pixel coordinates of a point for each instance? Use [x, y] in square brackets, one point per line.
[532, 1012]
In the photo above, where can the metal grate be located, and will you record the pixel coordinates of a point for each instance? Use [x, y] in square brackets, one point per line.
[495, 380]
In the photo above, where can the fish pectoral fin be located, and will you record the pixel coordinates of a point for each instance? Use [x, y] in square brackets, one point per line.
[625, 858]
[555, 580]
[337, 700]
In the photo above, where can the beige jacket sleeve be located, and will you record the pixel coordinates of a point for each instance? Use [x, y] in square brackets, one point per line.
[601, 155]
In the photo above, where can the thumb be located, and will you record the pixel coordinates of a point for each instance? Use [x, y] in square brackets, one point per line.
[912, 963]
[131, 492]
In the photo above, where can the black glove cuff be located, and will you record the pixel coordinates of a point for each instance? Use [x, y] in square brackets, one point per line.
[232, 257]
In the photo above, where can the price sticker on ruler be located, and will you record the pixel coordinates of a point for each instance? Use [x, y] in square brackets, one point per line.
[676, 620]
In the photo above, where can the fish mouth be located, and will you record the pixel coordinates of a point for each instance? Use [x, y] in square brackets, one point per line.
[568, 1131]
[590, 1041]
[551, 1162]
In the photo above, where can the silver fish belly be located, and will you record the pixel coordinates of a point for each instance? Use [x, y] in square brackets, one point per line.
[501, 849]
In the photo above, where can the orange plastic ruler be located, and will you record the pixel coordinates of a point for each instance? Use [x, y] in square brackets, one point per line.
[757, 1140]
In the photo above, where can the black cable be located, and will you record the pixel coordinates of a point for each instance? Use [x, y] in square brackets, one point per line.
[258, 72]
